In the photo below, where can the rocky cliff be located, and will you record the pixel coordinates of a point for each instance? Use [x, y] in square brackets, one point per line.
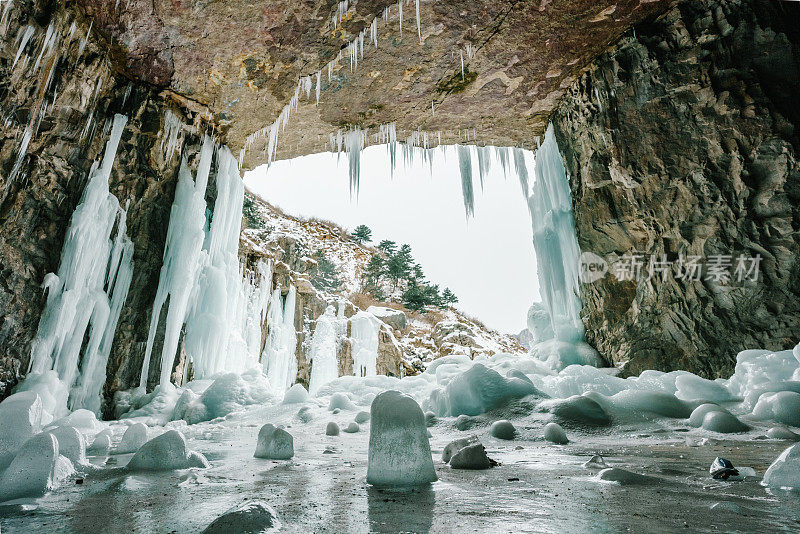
[682, 142]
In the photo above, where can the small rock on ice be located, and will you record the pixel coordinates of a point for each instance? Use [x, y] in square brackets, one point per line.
[352, 428]
[456, 445]
[555, 434]
[274, 443]
[134, 437]
[295, 395]
[472, 457]
[503, 429]
[253, 517]
[165, 453]
[399, 451]
[332, 429]
[595, 462]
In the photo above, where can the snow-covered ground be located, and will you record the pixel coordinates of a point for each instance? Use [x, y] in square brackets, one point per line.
[645, 425]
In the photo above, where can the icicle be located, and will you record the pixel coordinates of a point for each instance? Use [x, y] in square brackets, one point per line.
[47, 45]
[278, 358]
[400, 9]
[172, 128]
[419, 25]
[522, 169]
[502, 155]
[433, 111]
[465, 166]
[462, 65]
[88, 292]
[85, 40]
[27, 33]
[470, 50]
[319, 84]
[354, 141]
[484, 162]
[373, 32]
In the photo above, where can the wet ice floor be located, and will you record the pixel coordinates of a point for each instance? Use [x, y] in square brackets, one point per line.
[539, 487]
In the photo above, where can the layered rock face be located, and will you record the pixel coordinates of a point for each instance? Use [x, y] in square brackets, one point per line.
[683, 141]
[64, 90]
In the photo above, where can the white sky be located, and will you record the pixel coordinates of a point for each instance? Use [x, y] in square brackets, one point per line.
[487, 261]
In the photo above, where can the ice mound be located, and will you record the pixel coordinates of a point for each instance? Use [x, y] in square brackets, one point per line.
[71, 444]
[430, 418]
[134, 437]
[555, 434]
[456, 445]
[782, 407]
[231, 392]
[699, 413]
[254, 517]
[83, 420]
[352, 428]
[295, 395]
[51, 390]
[399, 451]
[274, 443]
[644, 403]
[464, 422]
[578, 410]
[756, 368]
[332, 429]
[101, 444]
[477, 390]
[692, 387]
[561, 354]
[20, 419]
[340, 401]
[472, 457]
[304, 414]
[35, 470]
[781, 432]
[362, 417]
[624, 477]
[165, 453]
[723, 422]
[503, 429]
[154, 408]
[784, 473]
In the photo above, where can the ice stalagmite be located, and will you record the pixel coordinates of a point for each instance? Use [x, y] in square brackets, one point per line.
[364, 329]
[278, 358]
[181, 263]
[85, 296]
[557, 254]
[324, 364]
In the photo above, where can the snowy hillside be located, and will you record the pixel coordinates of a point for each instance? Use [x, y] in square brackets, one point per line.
[292, 243]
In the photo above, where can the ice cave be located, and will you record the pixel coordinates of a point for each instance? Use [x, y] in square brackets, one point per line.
[394, 266]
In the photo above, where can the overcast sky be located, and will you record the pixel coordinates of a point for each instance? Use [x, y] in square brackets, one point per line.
[486, 260]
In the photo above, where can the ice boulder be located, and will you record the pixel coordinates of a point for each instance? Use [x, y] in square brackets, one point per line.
[295, 395]
[340, 401]
[472, 457]
[785, 471]
[624, 477]
[304, 414]
[20, 419]
[362, 417]
[230, 392]
[699, 413]
[84, 421]
[578, 410]
[274, 443]
[781, 432]
[464, 422]
[430, 418]
[71, 444]
[559, 354]
[101, 444]
[332, 429]
[165, 453]
[399, 451]
[36, 469]
[476, 391]
[555, 434]
[352, 428]
[723, 422]
[633, 402]
[692, 387]
[455, 446]
[503, 429]
[134, 437]
[782, 407]
[253, 517]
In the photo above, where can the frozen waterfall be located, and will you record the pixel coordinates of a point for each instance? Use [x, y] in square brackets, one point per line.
[364, 329]
[557, 256]
[324, 347]
[87, 293]
[278, 358]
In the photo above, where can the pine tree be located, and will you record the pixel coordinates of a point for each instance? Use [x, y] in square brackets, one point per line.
[371, 278]
[325, 276]
[387, 247]
[362, 234]
[448, 297]
[398, 267]
[414, 298]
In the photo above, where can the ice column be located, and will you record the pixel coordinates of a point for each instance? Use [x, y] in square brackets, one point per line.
[364, 329]
[557, 256]
[87, 293]
[278, 359]
[182, 260]
[324, 365]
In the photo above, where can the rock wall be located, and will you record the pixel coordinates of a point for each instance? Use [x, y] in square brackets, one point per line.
[67, 102]
[683, 141]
